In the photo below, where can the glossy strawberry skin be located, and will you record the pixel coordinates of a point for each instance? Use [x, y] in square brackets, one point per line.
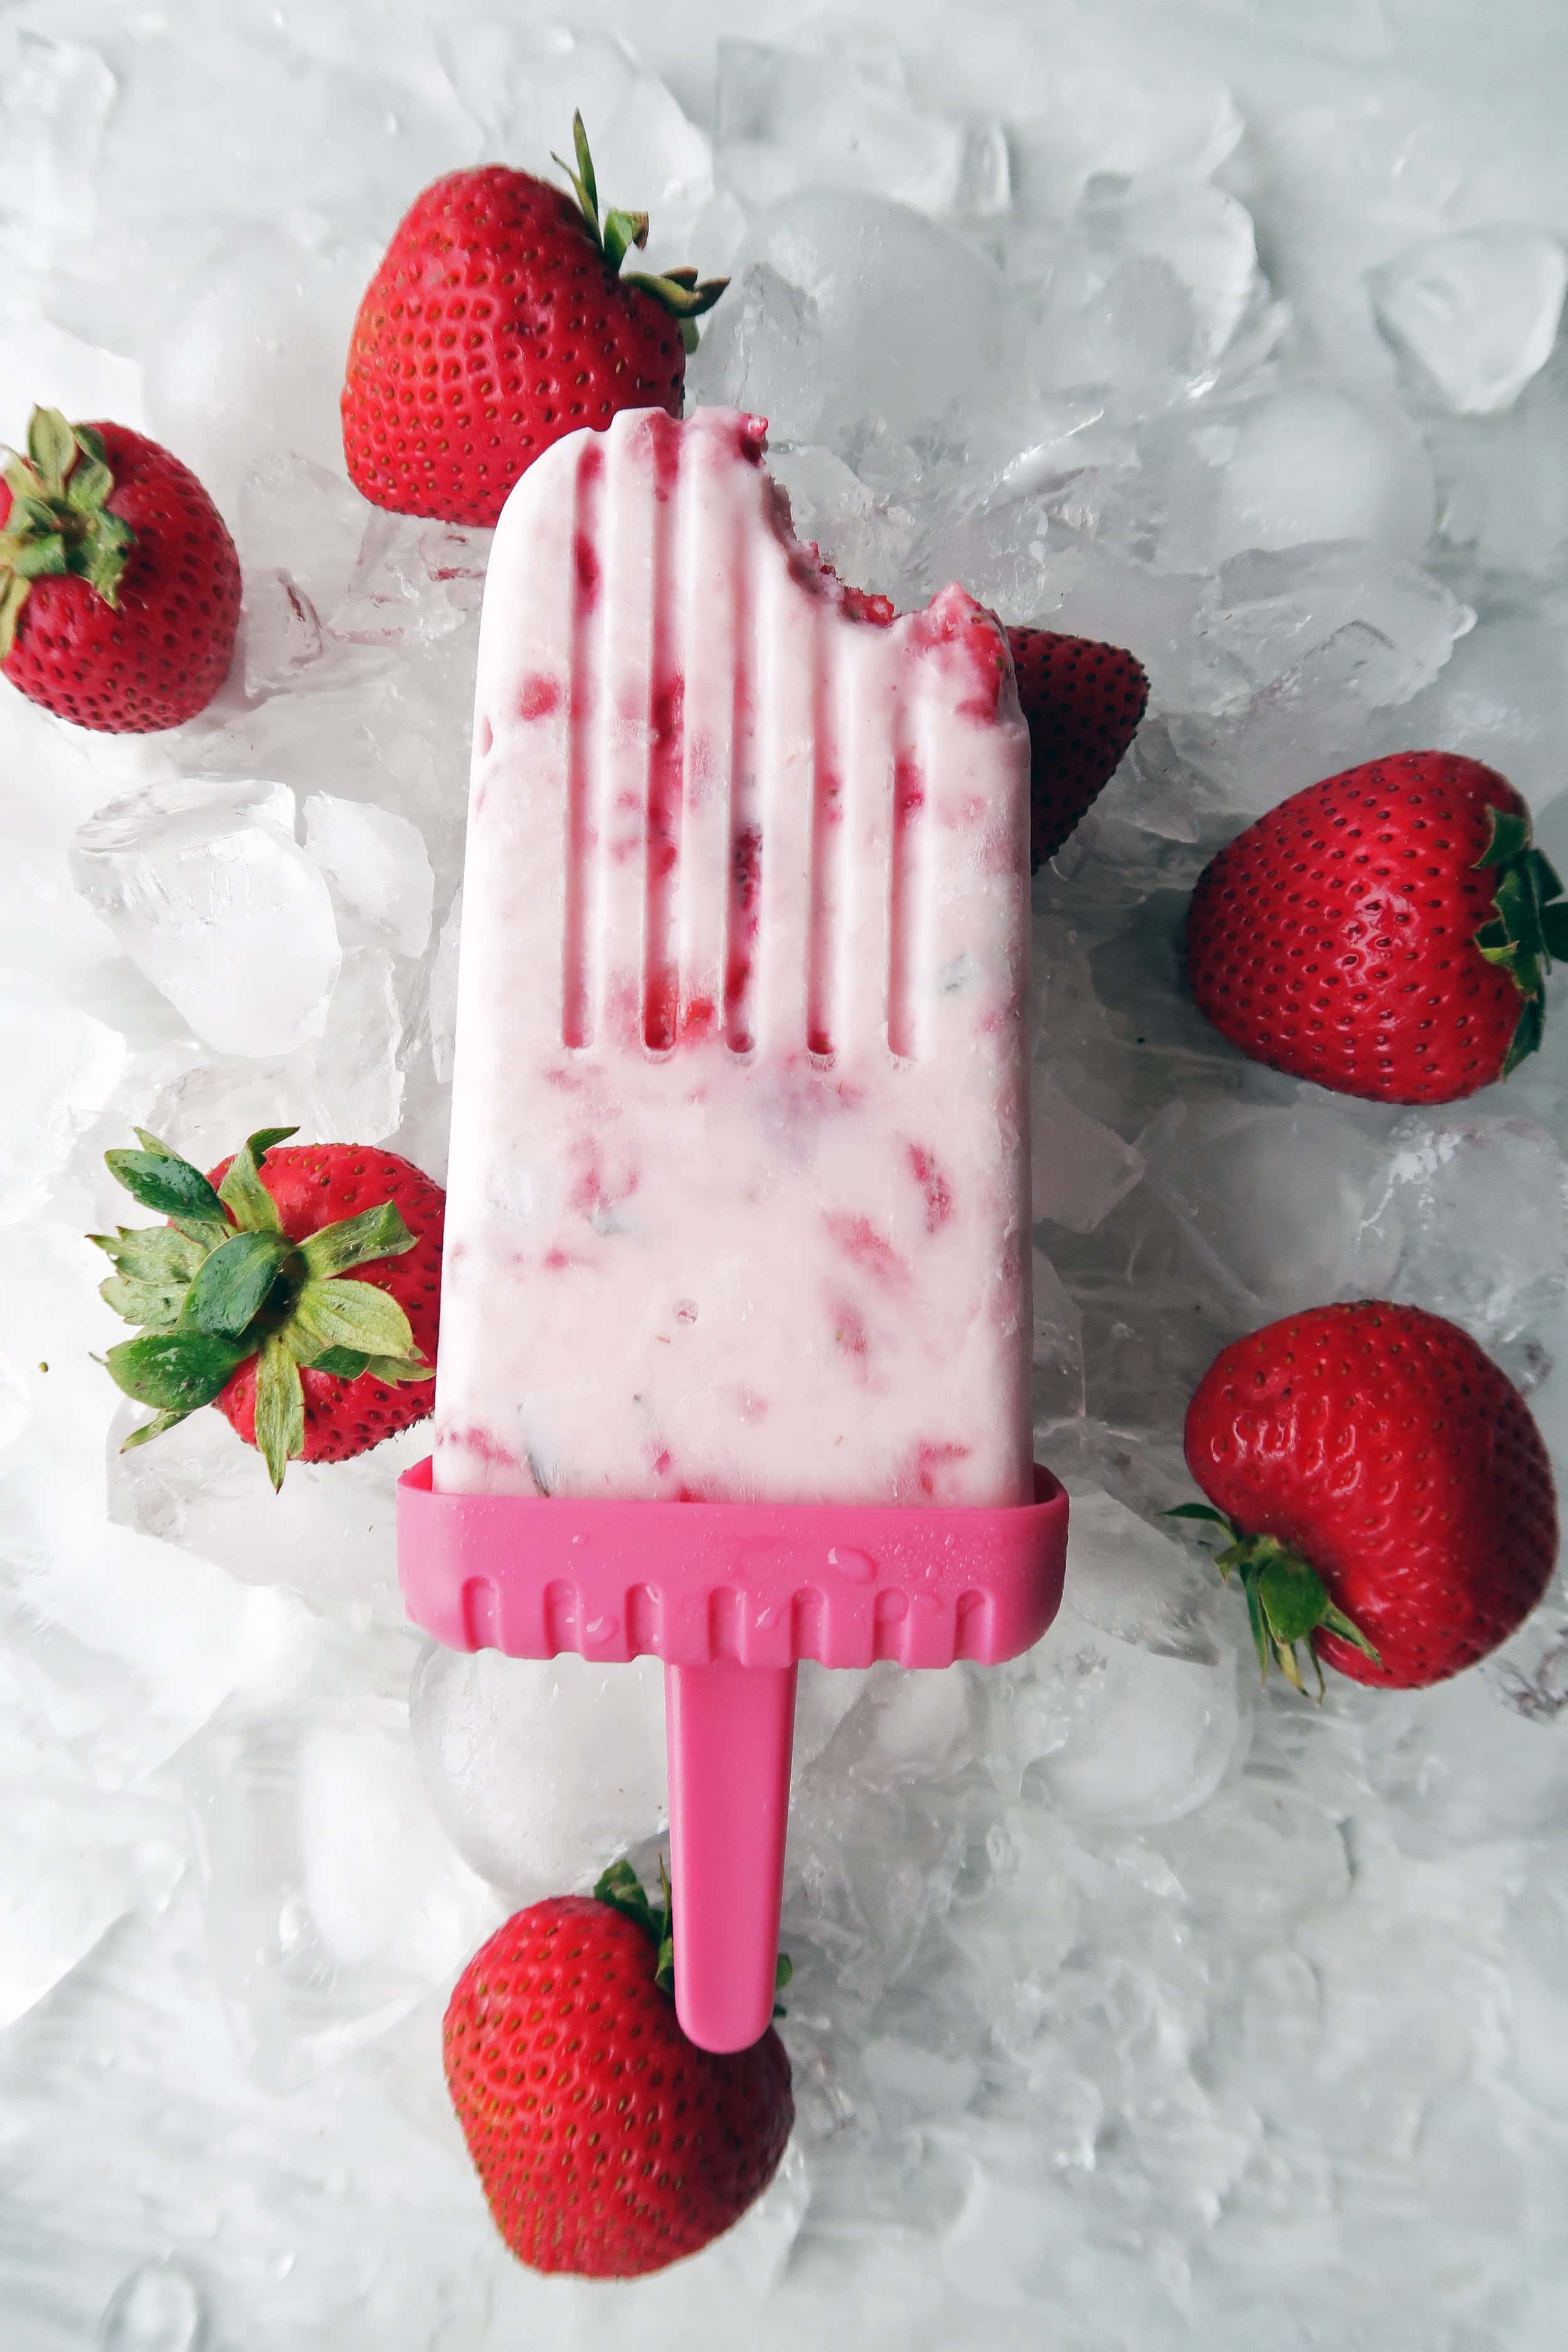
[1381, 1444]
[607, 2143]
[1083, 701]
[494, 326]
[1334, 938]
[316, 1184]
[158, 657]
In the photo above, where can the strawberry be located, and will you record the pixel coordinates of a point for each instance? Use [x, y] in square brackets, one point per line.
[498, 321]
[297, 1290]
[118, 584]
[606, 2142]
[1384, 1489]
[1083, 701]
[1386, 932]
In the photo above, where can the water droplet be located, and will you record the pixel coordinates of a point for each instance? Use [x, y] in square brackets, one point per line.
[857, 1566]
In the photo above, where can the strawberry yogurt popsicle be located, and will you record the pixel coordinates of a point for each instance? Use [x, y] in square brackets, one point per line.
[737, 1207]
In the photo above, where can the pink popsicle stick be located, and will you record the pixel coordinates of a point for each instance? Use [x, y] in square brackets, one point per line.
[730, 1730]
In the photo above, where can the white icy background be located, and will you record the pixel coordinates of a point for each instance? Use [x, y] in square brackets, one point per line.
[1129, 2010]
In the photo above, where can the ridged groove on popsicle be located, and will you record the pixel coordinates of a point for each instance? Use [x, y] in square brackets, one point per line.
[577, 990]
[823, 942]
[909, 835]
[667, 778]
[745, 840]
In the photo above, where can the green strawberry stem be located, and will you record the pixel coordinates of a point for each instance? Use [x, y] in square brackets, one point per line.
[60, 524]
[680, 290]
[1529, 931]
[622, 1890]
[221, 1283]
[1287, 1599]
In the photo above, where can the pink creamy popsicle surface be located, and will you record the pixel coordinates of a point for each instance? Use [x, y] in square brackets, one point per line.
[738, 1196]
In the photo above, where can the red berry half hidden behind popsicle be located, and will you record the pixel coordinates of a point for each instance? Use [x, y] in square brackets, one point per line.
[296, 1289]
[1384, 1491]
[607, 2143]
[119, 583]
[500, 318]
[1386, 932]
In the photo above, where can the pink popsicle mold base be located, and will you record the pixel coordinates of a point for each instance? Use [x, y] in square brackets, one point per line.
[732, 1596]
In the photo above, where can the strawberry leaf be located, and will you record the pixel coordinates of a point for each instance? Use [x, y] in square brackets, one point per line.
[1287, 1601]
[279, 1408]
[150, 1253]
[348, 1314]
[51, 444]
[622, 231]
[1508, 839]
[154, 1428]
[357, 1241]
[160, 1181]
[242, 1191]
[175, 1370]
[153, 1306]
[232, 1285]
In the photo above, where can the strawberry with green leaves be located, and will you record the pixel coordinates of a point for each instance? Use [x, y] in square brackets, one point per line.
[502, 318]
[296, 1288]
[606, 2143]
[118, 584]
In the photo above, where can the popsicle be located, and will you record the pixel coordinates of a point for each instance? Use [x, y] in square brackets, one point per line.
[737, 1205]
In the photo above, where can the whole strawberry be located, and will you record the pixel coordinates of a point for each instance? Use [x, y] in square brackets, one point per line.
[297, 1290]
[118, 584]
[1386, 932]
[606, 2142]
[498, 321]
[1083, 701]
[1384, 1487]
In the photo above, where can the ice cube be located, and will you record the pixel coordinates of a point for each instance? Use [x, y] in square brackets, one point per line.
[1130, 1703]
[70, 1866]
[55, 99]
[441, 1004]
[206, 889]
[865, 538]
[1081, 1169]
[761, 351]
[1537, 1968]
[521, 84]
[61, 1068]
[42, 363]
[788, 121]
[1473, 315]
[249, 358]
[156, 2309]
[542, 1770]
[376, 867]
[1317, 462]
[910, 314]
[354, 1091]
[1287, 1208]
[330, 1533]
[280, 631]
[1058, 1349]
[1100, 119]
[1503, 697]
[333, 1901]
[303, 519]
[1493, 1272]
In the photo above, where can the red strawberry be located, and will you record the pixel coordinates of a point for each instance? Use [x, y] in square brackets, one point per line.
[606, 2142]
[1386, 932]
[297, 1290]
[1386, 1493]
[498, 321]
[118, 584]
[1083, 701]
